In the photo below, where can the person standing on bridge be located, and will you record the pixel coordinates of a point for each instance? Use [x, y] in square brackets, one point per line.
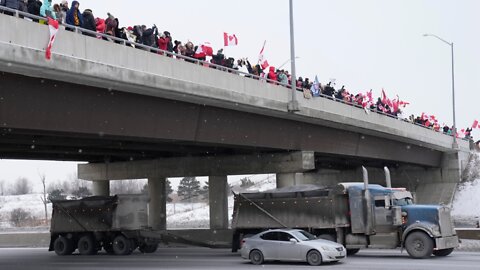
[13, 4]
[46, 9]
[74, 16]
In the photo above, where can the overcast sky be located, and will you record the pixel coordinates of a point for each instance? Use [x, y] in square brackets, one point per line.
[367, 44]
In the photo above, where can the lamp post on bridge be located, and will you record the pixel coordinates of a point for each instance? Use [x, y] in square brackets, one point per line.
[454, 131]
[286, 62]
[293, 103]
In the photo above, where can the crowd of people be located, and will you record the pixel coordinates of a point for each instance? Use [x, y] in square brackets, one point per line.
[162, 43]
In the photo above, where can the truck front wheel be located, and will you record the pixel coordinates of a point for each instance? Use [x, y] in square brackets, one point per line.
[63, 246]
[122, 245]
[419, 245]
[443, 252]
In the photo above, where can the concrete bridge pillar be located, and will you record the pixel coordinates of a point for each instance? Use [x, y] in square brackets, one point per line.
[289, 179]
[218, 202]
[157, 210]
[101, 188]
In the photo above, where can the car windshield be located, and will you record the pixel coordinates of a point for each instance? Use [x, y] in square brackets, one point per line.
[303, 235]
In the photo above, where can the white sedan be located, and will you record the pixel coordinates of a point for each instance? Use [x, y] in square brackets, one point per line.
[291, 245]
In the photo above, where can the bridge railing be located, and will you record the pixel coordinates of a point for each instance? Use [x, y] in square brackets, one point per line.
[120, 41]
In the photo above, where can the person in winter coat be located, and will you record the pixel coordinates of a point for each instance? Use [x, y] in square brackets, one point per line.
[162, 43]
[272, 75]
[74, 16]
[58, 13]
[46, 9]
[89, 22]
[148, 36]
[13, 4]
[110, 24]
[34, 6]
[100, 26]
[64, 10]
[170, 43]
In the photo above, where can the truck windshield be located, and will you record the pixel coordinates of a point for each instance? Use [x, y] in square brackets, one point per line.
[303, 235]
[402, 202]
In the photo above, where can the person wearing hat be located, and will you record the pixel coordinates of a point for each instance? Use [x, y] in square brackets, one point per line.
[89, 22]
[74, 16]
[46, 10]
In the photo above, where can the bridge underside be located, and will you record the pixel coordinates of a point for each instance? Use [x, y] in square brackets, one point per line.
[53, 120]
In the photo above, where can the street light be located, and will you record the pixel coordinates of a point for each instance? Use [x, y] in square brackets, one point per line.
[287, 62]
[293, 103]
[454, 131]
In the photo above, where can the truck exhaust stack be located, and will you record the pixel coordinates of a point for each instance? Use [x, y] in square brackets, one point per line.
[388, 179]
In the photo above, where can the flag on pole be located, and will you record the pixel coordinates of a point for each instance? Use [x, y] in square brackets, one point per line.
[230, 40]
[475, 124]
[261, 58]
[53, 27]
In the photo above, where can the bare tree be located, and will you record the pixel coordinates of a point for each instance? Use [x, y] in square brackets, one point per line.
[21, 186]
[43, 179]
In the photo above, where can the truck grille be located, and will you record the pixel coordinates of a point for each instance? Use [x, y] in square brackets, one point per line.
[445, 222]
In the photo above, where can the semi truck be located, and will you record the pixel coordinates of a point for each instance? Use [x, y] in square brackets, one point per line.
[357, 215]
[118, 224]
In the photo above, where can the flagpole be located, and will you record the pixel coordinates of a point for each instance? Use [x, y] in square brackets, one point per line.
[293, 103]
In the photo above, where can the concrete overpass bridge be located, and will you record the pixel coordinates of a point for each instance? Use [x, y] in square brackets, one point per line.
[132, 114]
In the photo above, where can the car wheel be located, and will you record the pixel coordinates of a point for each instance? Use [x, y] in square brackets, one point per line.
[256, 257]
[63, 246]
[443, 252]
[419, 245]
[314, 257]
[87, 245]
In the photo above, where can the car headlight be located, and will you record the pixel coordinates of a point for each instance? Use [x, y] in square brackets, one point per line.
[327, 248]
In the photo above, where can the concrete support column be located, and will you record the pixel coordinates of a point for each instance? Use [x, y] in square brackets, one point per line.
[101, 188]
[157, 211]
[218, 201]
[289, 179]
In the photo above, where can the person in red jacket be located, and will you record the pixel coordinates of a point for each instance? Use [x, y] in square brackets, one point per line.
[272, 75]
[100, 24]
[163, 43]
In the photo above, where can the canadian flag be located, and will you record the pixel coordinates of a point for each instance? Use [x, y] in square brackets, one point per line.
[204, 50]
[261, 59]
[53, 27]
[475, 124]
[230, 40]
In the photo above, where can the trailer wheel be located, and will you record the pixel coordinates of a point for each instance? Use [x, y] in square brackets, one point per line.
[63, 246]
[122, 245]
[443, 252]
[87, 245]
[148, 248]
[419, 245]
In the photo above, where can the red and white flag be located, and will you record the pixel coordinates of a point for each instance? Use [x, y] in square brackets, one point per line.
[204, 50]
[53, 27]
[261, 58]
[475, 124]
[230, 40]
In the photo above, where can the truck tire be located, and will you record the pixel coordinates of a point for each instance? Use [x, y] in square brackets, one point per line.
[63, 246]
[443, 252]
[148, 248]
[419, 245]
[122, 245]
[87, 245]
[314, 257]
[352, 251]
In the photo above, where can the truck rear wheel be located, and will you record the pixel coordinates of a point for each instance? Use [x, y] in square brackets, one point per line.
[419, 245]
[122, 245]
[63, 246]
[87, 245]
[443, 252]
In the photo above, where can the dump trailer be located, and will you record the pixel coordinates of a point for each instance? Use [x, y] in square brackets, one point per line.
[357, 215]
[118, 224]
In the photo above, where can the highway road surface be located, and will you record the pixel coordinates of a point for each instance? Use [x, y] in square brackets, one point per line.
[203, 258]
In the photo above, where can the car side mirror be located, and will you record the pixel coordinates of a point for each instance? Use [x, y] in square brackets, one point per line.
[293, 240]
